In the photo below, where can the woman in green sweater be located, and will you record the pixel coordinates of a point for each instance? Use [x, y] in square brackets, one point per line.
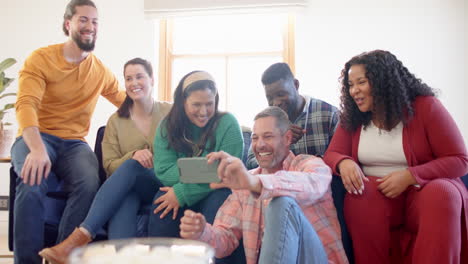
[193, 128]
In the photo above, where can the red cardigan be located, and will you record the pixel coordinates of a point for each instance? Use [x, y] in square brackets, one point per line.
[433, 147]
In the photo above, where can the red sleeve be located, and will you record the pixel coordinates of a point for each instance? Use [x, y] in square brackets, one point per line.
[448, 158]
[340, 148]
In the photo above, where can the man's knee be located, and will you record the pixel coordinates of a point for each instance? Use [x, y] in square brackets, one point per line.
[83, 171]
[19, 151]
[87, 184]
[26, 192]
[86, 161]
[280, 205]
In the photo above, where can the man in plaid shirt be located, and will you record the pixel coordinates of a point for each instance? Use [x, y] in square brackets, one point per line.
[313, 121]
[283, 210]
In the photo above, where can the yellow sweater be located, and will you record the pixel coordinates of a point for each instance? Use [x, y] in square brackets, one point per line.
[59, 97]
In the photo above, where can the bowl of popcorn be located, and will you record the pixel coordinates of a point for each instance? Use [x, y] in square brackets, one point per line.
[144, 250]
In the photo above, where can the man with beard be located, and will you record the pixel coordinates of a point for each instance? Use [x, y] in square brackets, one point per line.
[283, 210]
[313, 121]
[59, 86]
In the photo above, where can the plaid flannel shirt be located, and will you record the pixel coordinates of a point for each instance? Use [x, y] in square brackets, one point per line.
[320, 120]
[306, 179]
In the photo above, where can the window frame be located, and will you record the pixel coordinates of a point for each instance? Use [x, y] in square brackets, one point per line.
[167, 57]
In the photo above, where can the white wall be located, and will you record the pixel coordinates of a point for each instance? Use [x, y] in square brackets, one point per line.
[428, 36]
[123, 34]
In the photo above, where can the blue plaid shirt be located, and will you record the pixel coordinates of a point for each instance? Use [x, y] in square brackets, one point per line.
[320, 120]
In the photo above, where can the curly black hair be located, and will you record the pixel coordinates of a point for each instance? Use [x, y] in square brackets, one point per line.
[393, 89]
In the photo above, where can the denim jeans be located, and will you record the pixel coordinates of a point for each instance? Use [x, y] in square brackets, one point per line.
[167, 227]
[75, 164]
[288, 236]
[120, 198]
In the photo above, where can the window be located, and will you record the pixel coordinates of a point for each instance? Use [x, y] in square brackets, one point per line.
[235, 49]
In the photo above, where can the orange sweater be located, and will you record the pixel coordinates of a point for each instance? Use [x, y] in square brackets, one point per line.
[59, 97]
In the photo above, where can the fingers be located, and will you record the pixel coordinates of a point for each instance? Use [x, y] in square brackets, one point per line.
[145, 162]
[218, 185]
[388, 191]
[224, 160]
[163, 197]
[351, 181]
[296, 129]
[144, 157]
[33, 175]
[160, 207]
[297, 132]
[223, 164]
[47, 169]
[357, 181]
[168, 209]
[40, 171]
[352, 176]
[211, 157]
[387, 188]
[148, 158]
[165, 212]
[176, 211]
[348, 183]
[148, 163]
[26, 171]
[191, 224]
[160, 199]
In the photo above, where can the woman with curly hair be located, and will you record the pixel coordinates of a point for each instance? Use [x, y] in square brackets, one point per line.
[400, 156]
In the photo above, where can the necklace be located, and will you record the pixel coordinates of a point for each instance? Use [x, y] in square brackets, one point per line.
[197, 149]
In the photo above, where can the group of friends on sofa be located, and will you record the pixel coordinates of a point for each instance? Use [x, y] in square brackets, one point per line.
[396, 148]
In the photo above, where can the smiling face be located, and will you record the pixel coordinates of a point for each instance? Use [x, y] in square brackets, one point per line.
[138, 83]
[283, 93]
[83, 27]
[199, 106]
[360, 88]
[270, 146]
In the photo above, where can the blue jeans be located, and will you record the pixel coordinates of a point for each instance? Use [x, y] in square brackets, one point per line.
[288, 236]
[167, 227]
[75, 164]
[120, 198]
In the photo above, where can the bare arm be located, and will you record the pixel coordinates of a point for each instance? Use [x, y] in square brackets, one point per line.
[37, 163]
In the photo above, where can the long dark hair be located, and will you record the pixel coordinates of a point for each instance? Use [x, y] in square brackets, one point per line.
[177, 123]
[393, 89]
[124, 109]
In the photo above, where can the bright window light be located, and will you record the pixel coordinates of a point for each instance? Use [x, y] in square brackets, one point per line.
[235, 49]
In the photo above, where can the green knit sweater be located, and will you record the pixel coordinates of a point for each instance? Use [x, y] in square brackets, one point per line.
[228, 139]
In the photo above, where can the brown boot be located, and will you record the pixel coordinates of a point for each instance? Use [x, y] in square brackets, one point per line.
[59, 253]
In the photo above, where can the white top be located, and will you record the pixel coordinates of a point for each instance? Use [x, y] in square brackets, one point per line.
[380, 152]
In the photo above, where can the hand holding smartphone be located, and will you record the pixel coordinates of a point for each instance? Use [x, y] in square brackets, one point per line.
[197, 170]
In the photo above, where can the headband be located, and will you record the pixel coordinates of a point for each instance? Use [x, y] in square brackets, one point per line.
[196, 76]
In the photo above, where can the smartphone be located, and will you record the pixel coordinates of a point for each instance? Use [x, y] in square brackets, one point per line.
[197, 170]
